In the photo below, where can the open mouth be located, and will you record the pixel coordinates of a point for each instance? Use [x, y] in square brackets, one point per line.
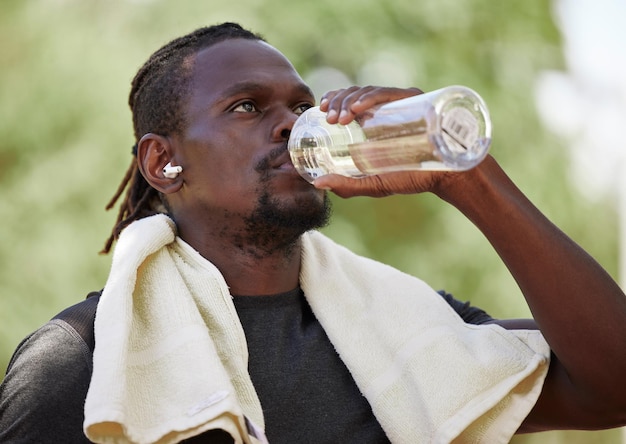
[283, 162]
[285, 166]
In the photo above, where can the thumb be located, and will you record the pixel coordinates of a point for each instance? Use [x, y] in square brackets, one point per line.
[349, 187]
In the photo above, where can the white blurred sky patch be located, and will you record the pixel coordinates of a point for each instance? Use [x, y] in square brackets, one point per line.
[586, 104]
[387, 67]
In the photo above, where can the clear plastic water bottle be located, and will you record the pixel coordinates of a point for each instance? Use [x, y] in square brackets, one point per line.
[446, 129]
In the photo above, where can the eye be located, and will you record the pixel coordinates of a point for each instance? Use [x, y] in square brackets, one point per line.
[245, 107]
[302, 108]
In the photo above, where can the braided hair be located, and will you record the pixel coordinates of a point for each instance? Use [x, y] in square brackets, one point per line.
[158, 91]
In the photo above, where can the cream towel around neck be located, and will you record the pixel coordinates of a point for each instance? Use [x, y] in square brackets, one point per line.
[429, 376]
[171, 359]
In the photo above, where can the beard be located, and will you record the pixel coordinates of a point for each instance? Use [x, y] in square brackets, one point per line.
[275, 226]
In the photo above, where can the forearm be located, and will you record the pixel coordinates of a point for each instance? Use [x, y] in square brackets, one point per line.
[577, 305]
[579, 308]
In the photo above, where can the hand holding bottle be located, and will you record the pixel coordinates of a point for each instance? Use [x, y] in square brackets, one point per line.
[370, 131]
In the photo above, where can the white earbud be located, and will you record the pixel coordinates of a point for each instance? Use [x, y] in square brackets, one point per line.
[171, 172]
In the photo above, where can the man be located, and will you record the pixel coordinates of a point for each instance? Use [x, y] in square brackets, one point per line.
[230, 320]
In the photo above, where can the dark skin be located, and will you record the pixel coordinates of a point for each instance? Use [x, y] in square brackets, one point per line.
[237, 118]
[246, 97]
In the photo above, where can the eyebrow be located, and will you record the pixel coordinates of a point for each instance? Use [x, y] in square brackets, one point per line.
[255, 87]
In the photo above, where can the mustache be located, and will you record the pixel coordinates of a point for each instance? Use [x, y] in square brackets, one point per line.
[266, 163]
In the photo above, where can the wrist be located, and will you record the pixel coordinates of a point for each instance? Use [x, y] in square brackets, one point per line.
[472, 188]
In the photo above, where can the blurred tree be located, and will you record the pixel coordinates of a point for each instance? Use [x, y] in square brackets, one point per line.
[65, 134]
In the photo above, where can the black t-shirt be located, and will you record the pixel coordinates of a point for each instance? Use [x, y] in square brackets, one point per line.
[306, 392]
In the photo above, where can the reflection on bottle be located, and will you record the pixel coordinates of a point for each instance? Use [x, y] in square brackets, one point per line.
[447, 129]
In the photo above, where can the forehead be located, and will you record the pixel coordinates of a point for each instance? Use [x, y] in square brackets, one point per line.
[238, 61]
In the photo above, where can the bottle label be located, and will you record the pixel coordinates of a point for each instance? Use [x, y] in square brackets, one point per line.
[460, 129]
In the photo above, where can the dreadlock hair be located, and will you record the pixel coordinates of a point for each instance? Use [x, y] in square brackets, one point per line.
[158, 91]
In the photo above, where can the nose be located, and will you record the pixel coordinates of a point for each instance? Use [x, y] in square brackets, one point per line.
[282, 129]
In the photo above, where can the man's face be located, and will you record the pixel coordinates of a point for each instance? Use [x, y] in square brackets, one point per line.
[245, 97]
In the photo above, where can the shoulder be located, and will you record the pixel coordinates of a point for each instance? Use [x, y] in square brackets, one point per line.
[80, 318]
[469, 313]
[61, 347]
[52, 346]
[46, 383]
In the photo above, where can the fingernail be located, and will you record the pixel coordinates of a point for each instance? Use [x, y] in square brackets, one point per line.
[332, 114]
[343, 114]
[323, 187]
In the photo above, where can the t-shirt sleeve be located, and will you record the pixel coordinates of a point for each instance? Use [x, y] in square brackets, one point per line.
[469, 313]
[43, 393]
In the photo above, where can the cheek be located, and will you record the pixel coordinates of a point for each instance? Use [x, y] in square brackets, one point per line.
[222, 150]
[220, 163]
[225, 180]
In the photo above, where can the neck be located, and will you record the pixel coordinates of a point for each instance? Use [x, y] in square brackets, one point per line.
[267, 263]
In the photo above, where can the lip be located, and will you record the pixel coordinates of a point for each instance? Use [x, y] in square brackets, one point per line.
[283, 162]
[287, 166]
[283, 166]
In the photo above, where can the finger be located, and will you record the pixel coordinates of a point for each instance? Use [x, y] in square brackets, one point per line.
[381, 185]
[326, 98]
[339, 104]
[342, 106]
[333, 102]
[349, 187]
[347, 113]
[376, 96]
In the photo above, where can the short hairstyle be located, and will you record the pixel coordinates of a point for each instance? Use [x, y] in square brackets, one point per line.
[156, 100]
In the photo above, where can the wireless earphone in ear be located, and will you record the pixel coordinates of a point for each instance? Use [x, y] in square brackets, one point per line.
[171, 172]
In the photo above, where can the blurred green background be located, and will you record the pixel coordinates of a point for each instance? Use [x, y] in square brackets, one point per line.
[65, 135]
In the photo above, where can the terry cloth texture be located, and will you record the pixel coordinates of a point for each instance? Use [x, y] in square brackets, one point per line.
[171, 358]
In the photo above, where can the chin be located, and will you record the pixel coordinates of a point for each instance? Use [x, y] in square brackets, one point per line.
[301, 213]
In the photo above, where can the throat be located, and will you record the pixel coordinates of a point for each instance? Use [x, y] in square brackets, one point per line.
[253, 270]
[275, 227]
[261, 243]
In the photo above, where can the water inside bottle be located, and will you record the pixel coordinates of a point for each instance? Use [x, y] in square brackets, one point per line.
[450, 134]
[323, 148]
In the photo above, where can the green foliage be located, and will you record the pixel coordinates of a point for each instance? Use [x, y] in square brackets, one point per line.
[65, 134]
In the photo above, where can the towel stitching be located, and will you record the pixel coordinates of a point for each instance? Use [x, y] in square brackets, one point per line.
[208, 402]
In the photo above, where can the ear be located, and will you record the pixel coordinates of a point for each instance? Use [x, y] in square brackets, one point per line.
[153, 153]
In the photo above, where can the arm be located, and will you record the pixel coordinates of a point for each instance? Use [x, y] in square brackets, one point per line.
[579, 308]
[42, 394]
